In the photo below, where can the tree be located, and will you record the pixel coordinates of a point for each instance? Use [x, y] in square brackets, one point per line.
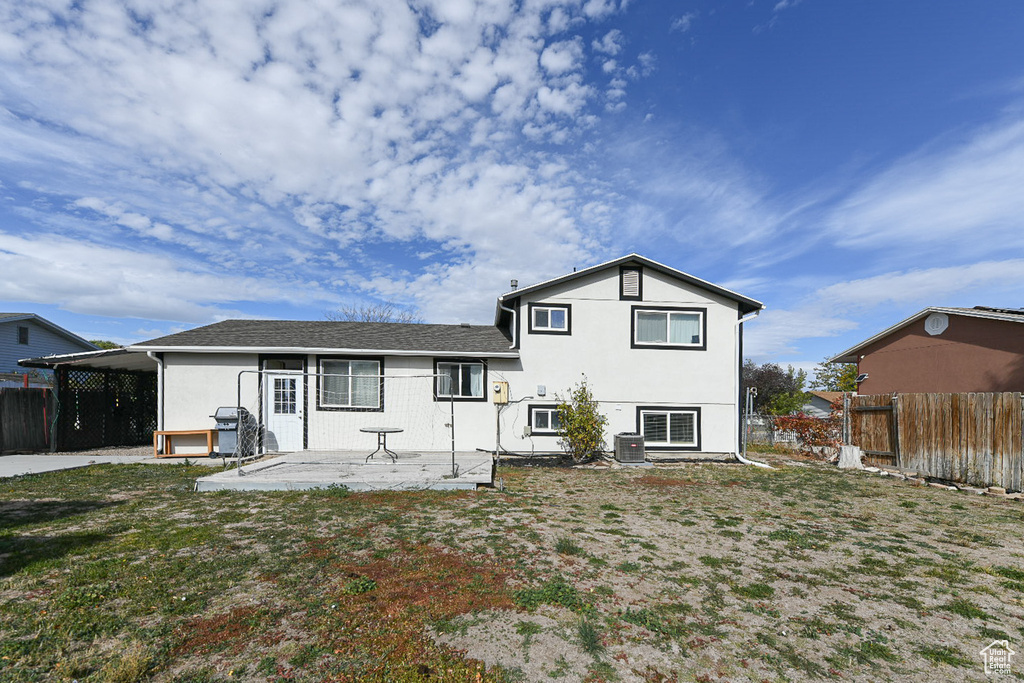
[387, 312]
[779, 392]
[835, 376]
[103, 344]
[582, 424]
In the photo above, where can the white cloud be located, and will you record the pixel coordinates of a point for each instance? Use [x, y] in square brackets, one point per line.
[683, 23]
[610, 43]
[559, 58]
[282, 148]
[943, 198]
[839, 307]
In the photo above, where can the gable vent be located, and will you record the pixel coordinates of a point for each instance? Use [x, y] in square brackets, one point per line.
[630, 283]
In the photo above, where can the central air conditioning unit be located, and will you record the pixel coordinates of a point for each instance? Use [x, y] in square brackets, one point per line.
[629, 448]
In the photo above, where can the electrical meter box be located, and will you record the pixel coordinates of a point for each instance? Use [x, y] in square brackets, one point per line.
[499, 392]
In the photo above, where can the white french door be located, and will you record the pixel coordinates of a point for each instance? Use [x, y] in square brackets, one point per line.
[284, 403]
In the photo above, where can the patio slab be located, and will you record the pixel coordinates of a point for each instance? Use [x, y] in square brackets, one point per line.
[319, 470]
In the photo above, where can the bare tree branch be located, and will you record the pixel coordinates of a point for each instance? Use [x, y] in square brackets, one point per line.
[387, 312]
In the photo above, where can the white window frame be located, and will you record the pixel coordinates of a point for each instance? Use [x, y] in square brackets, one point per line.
[458, 396]
[667, 443]
[701, 314]
[323, 404]
[552, 413]
[566, 309]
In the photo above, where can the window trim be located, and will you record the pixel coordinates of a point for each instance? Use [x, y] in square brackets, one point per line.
[694, 410]
[320, 406]
[634, 344]
[531, 307]
[534, 407]
[622, 283]
[461, 361]
[23, 329]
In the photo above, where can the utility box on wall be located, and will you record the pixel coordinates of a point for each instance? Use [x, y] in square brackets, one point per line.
[499, 392]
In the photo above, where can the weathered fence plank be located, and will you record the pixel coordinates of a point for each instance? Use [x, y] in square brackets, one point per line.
[970, 438]
[26, 416]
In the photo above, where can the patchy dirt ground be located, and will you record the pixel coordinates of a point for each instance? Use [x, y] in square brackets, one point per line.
[688, 572]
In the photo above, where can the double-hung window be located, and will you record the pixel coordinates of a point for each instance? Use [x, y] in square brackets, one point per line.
[544, 420]
[550, 318]
[350, 384]
[669, 428]
[462, 380]
[677, 328]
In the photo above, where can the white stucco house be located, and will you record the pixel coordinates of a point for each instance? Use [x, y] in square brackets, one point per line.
[660, 349]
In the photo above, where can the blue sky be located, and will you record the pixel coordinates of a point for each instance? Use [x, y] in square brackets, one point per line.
[168, 164]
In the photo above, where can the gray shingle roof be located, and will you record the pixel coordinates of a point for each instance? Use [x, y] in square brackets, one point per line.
[322, 334]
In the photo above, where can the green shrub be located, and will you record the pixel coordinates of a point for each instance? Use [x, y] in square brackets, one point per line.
[582, 425]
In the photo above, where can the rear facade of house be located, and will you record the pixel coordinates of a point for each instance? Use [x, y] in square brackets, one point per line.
[659, 349]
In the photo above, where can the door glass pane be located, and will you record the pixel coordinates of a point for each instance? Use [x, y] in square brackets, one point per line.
[284, 396]
[651, 327]
[656, 427]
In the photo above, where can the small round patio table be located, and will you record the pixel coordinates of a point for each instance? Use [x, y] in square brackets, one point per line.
[382, 440]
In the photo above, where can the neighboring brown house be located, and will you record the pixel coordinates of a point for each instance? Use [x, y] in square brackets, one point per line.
[944, 350]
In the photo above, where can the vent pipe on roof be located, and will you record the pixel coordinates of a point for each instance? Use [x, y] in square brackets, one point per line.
[515, 284]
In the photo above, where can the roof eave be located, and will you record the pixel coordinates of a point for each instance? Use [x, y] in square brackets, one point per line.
[852, 354]
[325, 350]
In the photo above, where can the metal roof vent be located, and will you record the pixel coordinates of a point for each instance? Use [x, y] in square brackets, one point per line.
[463, 324]
[515, 284]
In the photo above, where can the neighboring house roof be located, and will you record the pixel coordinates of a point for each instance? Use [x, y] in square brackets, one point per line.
[53, 327]
[281, 336]
[830, 396]
[852, 354]
[746, 305]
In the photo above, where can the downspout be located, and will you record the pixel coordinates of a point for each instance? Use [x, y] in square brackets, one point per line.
[512, 326]
[159, 394]
[738, 386]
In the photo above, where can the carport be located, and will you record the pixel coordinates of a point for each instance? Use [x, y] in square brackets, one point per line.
[101, 398]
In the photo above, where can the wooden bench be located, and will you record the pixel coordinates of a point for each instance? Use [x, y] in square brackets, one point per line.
[169, 434]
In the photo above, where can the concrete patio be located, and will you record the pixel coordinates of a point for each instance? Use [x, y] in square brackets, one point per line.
[320, 469]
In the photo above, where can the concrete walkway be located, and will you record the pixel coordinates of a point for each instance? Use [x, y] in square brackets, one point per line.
[17, 465]
[317, 469]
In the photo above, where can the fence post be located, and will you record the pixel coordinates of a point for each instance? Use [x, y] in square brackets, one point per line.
[896, 450]
[846, 418]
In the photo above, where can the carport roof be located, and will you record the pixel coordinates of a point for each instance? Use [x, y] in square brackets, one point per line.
[118, 359]
[324, 336]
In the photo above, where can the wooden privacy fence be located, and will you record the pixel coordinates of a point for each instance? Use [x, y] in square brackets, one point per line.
[970, 438]
[26, 419]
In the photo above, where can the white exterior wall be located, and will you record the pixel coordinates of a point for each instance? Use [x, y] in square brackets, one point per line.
[599, 346]
[620, 377]
[195, 385]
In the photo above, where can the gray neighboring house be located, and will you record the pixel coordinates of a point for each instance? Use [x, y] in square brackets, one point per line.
[27, 335]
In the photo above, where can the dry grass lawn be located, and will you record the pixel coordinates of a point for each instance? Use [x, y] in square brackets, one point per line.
[708, 572]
